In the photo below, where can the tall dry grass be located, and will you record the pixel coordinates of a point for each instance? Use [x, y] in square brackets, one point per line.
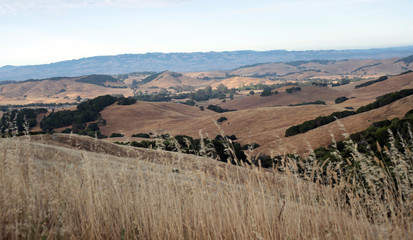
[51, 192]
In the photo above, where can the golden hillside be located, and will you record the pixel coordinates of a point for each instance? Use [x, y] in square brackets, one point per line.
[72, 187]
[56, 91]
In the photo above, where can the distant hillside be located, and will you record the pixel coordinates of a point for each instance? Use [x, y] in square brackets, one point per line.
[61, 90]
[326, 69]
[187, 62]
[168, 79]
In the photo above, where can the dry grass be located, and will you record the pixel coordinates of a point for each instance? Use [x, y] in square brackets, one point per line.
[54, 91]
[49, 191]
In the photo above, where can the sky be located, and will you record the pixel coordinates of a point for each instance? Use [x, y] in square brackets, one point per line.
[46, 31]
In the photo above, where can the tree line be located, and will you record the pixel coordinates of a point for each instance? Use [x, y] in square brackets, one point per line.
[323, 120]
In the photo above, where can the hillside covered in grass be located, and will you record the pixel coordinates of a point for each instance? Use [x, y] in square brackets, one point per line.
[63, 186]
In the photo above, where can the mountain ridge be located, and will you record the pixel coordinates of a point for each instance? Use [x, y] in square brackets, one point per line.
[187, 62]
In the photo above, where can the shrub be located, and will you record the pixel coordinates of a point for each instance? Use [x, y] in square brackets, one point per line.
[341, 99]
[126, 101]
[218, 109]
[116, 135]
[141, 135]
[266, 92]
[317, 102]
[221, 119]
[189, 102]
[292, 89]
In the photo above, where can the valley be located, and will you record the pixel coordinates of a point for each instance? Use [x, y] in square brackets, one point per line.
[195, 120]
[173, 139]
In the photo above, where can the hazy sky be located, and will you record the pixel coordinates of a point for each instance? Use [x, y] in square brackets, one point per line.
[44, 31]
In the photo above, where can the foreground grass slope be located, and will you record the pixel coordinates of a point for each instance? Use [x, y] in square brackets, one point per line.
[73, 187]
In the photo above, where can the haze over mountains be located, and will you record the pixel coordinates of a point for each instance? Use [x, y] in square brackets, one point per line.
[186, 62]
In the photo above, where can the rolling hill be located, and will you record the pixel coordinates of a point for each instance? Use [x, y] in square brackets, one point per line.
[260, 120]
[168, 79]
[325, 69]
[60, 90]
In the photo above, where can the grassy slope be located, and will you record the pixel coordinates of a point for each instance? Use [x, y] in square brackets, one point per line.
[248, 125]
[263, 125]
[307, 94]
[51, 189]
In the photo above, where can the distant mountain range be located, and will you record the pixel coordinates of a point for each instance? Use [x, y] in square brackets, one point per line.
[186, 62]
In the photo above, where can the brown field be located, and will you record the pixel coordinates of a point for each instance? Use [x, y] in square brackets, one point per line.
[260, 120]
[307, 94]
[265, 126]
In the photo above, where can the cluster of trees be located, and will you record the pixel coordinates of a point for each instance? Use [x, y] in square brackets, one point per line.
[406, 60]
[369, 140]
[264, 75]
[221, 119]
[218, 109]
[189, 102]
[92, 130]
[5, 108]
[126, 101]
[320, 121]
[406, 72]
[319, 84]
[341, 99]
[183, 88]
[133, 74]
[20, 120]
[116, 135]
[267, 91]
[315, 123]
[87, 111]
[99, 80]
[386, 99]
[292, 89]
[208, 93]
[153, 98]
[261, 86]
[141, 135]
[342, 82]
[317, 102]
[151, 77]
[380, 79]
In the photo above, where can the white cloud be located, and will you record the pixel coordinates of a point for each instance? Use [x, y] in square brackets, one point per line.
[16, 6]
